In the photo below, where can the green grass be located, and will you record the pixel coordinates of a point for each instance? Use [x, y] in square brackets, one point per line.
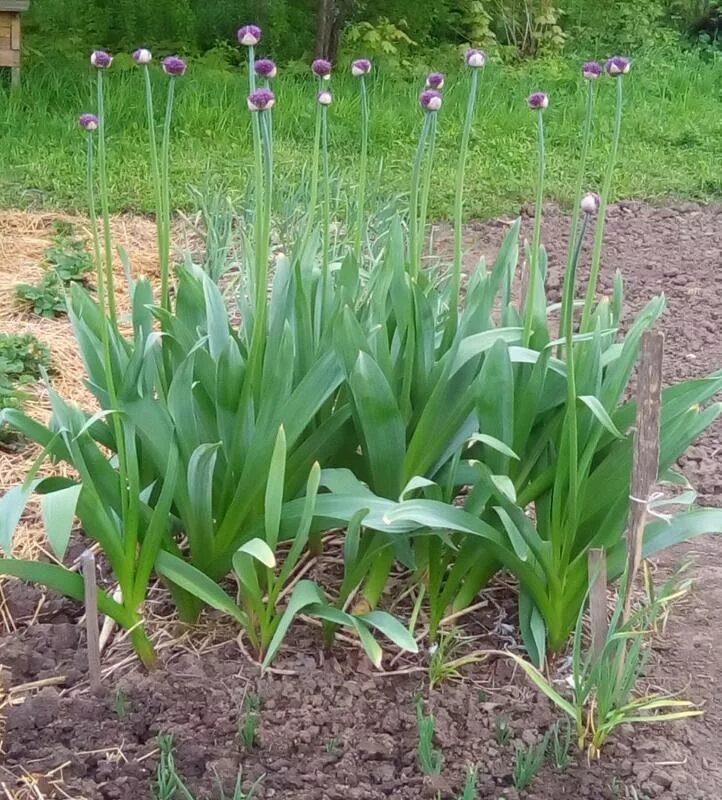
[671, 145]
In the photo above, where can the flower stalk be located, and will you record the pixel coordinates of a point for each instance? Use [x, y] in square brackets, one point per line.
[105, 210]
[363, 165]
[612, 68]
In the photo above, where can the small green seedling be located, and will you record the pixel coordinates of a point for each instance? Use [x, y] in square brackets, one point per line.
[470, 784]
[169, 785]
[121, 705]
[527, 762]
[561, 739]
[332, 745]
[248, 724]
[431, 760]
[502, 732]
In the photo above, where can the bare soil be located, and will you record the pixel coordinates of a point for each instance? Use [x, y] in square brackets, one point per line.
[332, 729]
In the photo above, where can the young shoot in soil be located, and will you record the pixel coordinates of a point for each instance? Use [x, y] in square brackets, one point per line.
[431, 760]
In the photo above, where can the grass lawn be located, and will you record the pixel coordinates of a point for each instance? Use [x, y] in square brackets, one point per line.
[671, 142]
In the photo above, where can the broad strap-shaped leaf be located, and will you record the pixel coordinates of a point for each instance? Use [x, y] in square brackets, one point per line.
[58, 509]
[64, 581]
[198, 584]
[382, 428]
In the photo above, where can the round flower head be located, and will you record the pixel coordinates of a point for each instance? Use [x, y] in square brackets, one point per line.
[430, 100]
[88, 122]
[434, 80]
[142, 56]
[590, 203]
[261, 100]
[537, 101]
[325, 98]
[618, 65]
[362, 66]
[591, 70]
[265, 68]
[322, 68]
[475, 58]
[174, 66]
[100, 59]
[249, 35]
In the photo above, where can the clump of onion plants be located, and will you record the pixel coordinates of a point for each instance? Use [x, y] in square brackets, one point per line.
[359, 390]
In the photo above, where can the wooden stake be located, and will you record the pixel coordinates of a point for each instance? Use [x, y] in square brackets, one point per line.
[646, 451]
[597, 562]
[87, 561]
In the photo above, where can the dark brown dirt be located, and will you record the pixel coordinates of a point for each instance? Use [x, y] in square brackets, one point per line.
[336, 731]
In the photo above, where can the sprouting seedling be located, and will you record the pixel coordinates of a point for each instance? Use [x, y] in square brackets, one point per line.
[527, 762]
[470, 788]
[502, 732]
[169, 785]
[430, 759]
[332, 745]
[121, 705]
[561, 739]
[248, 723]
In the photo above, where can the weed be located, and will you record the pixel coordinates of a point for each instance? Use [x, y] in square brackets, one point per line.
[502, 733]
[431, 760]
[470, 788]
[561, 739]
[248, 723]
[169, 785]
[445, 663]
[528, 760]
[121, 705]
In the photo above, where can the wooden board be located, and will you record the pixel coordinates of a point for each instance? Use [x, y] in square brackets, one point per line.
[14, 5]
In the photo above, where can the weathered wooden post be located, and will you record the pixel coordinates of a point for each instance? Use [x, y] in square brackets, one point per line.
[11, 36]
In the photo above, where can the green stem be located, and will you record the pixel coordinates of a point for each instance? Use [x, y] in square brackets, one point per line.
[102, 168]
[313, 201]
[154, 163]
[536, 240]
[455, 292]
[414, 198]
[567, 310]
[325, 277]
[570, 502]
[426, 189]
[602, 215]
[105, 339]
[164, 227]
[361, 202]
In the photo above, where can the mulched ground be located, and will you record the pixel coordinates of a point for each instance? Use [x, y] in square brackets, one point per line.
[332, 729]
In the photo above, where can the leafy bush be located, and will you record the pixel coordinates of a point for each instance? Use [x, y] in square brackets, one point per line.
[22, 359]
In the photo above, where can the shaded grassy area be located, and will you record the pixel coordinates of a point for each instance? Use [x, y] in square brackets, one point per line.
[671, 145]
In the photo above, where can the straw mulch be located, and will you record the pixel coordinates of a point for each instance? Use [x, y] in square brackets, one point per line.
[24, 237]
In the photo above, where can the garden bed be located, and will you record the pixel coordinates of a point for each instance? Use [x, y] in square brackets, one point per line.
[329, 725]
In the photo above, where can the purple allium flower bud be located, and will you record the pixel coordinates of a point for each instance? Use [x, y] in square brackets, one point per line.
[591, 70]
[537, 101]
[261, 100]
[174, 66]
[142, 56]
[249, 35]
[362, 66]
[325, 98]
[88, 122]
[430, 100]
[266, 68]
[475, 58]
[434, 80]
[618, 65]
[322, 68]
[100, 59]
[590, 203]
